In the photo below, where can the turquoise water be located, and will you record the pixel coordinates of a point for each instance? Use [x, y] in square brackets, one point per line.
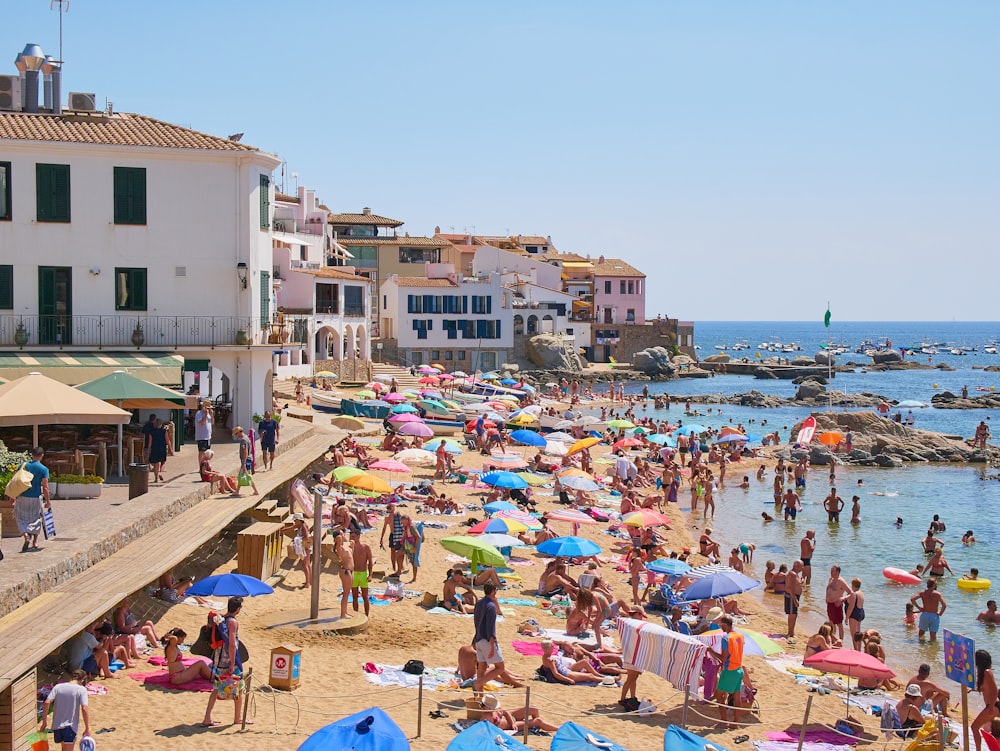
[965, 496]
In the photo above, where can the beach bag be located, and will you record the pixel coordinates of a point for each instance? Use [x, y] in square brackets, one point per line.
[414, 667]
[394, 590]
[244, 479]
[228, 687]
[49, 522]
[19, 482]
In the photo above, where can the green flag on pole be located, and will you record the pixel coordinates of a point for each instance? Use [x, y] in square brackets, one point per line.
[826, 318]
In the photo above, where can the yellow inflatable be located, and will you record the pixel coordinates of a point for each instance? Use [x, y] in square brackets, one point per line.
[974, 585]
[927, 737]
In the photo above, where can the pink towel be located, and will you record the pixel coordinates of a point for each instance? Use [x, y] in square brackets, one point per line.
[812, 736]
[162, 678]
[185, 661]
[528, 648]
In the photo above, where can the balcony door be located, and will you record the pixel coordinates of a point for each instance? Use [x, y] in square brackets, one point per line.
[55, 305]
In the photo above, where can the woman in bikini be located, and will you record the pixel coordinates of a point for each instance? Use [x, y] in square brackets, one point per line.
[564, 669]
[179, 675]
[226, 484]
[987, 684]
[582, 615]
[346, 559]
[819, 642]
[127, 624]
[855, 606]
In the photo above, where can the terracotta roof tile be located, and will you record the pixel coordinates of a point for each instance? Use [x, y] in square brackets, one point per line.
[286, 198]
[366, 219]
[615, 267]
[422, 281]
[330, 273]
[409, 242]
[119, 129]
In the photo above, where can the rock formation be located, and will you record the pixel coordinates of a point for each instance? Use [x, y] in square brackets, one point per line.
[655, 361]
[553, 353]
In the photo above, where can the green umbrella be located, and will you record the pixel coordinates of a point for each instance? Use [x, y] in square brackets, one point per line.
[620, 424]
[343, 473]
[477, 551]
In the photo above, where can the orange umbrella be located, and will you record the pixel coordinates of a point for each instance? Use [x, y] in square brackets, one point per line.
[646, 518]
[831, 437]
[574, 472]
[583, 443]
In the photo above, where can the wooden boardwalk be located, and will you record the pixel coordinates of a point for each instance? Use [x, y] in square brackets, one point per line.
[34, 630]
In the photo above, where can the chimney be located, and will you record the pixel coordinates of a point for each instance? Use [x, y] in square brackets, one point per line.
[53, 75]
[600, 259]
[33, 58]
[366, 211]
[47, 82]
[437, 230]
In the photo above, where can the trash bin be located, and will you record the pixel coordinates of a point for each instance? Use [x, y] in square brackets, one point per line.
[138, 480]
[286, 661]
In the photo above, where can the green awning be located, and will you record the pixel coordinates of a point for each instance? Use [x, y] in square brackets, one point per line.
[73, 368]
[129, 392]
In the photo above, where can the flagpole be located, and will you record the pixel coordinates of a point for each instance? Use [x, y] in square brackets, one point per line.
[829, 358]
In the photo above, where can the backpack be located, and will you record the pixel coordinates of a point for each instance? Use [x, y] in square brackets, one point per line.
[414, 667]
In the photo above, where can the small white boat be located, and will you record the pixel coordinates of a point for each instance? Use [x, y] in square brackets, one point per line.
[990, 350]
[322, 402]
[955, 352]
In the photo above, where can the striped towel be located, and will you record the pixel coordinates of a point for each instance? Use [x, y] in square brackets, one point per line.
[673, 656]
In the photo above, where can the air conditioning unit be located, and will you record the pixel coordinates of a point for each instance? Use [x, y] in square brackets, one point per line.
[82, 102]
[10, 93]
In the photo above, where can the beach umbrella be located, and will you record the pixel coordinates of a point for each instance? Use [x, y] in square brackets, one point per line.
[470, 426]
[830, 438]
[507, 461]
[368, 730]
[405, 408]
[403, 417]
[527, 438]
[662, 439]
[577, 482]
[625, 443]
[415, 428]
[583, 443]
[573, 737]
[573, 472]
[485, 736]
[569, 547]
[732, 438]
[668, 566]
[325, 374]
[490, 377]
[527, 387]
[411, 394]
[446, 377]
[570, 516]
[755, 643]
[556, 448]
[384, 377]
[551, 384]
[498, 525]
[439, 367]
[394, 397]
[368, 482]
[710, 569]
[691, 429]
[429, 380]
[348, 423]
[460, 374]
[389, 465]
[451, 446]
[534, 480]
[229, 585]
[645, 517]
[508, 382]
[560, 436]
[523, 419]
[497, 506]
[719, 585]
[365, 394]
[527, 520]
[617, 424]
[500, 540]
[415, 456]
[502, 479]
[376, 386]
[679, 739]
[343, 473]
[640, 430]
[847, 662]
[480, 553]
[910, 404]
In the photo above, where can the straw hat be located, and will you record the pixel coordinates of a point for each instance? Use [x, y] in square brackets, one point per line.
[490, 701]
[714, 614]
[913, 690]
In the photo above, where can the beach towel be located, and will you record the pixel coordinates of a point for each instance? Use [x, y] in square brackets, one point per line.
[527, 648]
[162, 678]
[812, 736]
[845, 744]
[217, 605]
[444, 611]
[556, 634]
[522, 602]
[93, 689]
[672, 656]
[434, 678]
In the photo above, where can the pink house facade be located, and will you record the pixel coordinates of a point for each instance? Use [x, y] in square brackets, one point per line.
[619, 292]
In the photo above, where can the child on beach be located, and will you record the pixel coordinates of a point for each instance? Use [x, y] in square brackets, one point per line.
[910, 618]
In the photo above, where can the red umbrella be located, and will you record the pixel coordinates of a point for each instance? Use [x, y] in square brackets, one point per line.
[429, 380]
[850, 663]
[626, 443]
[470, 426]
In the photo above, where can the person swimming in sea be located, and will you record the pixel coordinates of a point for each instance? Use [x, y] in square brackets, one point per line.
[968, 538]
[766, 516]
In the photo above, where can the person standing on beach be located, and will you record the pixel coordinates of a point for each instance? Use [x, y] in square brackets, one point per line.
[837, 590]
[730, 683]
[394, 524]
[807, 546]
[363, 564]
[28, 506]
[931, 606]
[793, 591]
[226, 661]
[204, 419]
[345, 558]
[489, 659]
[67, 701]
[269, 430]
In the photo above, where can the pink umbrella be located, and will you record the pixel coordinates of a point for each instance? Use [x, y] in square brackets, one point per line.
[446, 377]
[572, 516]
[415, 428]
[406, 417]
[389, 465]
[850, 663]
[394, 397]
[527, 520]
[376, 386]
[429, 380]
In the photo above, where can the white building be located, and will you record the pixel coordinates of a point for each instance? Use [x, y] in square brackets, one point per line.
[465, 324]
[120, 233]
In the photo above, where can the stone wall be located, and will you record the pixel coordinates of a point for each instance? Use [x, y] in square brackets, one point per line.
[632, 338]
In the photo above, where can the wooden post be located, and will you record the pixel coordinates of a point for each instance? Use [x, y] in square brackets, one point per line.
[941, 736]
[965, 717]
[246, 697]
[805, 721]
[527, 715]
[317, 555]
[420, 703]
[684, 712]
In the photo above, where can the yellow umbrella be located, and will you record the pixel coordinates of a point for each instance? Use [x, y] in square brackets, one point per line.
[325, 374]
[348, 423]
[574, 472]
[532, 479]
[525, 418]
[583, 443]
[368, 482]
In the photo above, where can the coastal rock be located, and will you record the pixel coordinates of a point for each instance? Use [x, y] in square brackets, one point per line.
[823, 358]
[886, 356]
[764, 374]
[655, 361]
[809, 390]
[510, 367]
[723, 358]
[820, 455]
[803, 361]
[810, 377]
[552, 353]
[679, 359]
[948, 400]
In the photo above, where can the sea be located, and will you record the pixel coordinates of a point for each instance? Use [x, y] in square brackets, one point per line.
[965, 497]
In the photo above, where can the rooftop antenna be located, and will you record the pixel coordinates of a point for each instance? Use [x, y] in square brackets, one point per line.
[63, 8]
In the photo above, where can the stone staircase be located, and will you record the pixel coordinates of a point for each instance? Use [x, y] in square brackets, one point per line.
[402, 375]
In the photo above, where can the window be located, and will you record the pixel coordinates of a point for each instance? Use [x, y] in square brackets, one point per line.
[130, 289]
[5, 214]
[630, 315]
[621, 286]
[419, 255]
[365, 256]
[354, 300]
[631, 287]
[130, 195]
[265, 297]
[6, 287]
[482, 304]
[435, 354]
[607, 288]
[450, 328]
[414, 304]
[52, 192]
[385, 302]
[448, 355]
[488, 329]
[460, 354]
[265, 202]
[422, 327]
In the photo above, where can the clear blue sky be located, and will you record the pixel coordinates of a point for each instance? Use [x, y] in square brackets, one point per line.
[754, 159]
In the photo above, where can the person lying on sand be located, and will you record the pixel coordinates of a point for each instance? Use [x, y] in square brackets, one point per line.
[558, 668]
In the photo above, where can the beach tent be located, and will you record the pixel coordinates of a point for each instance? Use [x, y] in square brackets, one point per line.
[36, 400]
[573, 737]
[484, 736]
[368, 730]
[128, 392]
[678, 739]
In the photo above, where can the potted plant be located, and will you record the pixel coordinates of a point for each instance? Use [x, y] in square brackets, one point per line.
[20, 334]
[138, 335]
[77, 486]
[242, 337]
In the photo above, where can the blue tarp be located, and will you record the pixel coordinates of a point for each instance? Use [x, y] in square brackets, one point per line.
[484, 736]
[678, 739]
[368, 730]
[573, 737]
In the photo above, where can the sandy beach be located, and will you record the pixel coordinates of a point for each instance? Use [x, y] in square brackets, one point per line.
[334, 683]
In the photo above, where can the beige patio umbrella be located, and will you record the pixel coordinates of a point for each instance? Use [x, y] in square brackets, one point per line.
[36, 400]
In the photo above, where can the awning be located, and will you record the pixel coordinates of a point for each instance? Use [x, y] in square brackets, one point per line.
[287, 237]
[73, 368]
[582, 304]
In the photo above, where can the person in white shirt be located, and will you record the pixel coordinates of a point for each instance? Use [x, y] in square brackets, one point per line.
[67, 702]
[204, 421]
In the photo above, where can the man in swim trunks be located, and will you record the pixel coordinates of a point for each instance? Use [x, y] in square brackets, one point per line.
[269, 430]
[464, 602]
[792, 504]
[989, 616]
[363, 563]
[837, 589]
[938, 696]
[730, 683]
[800, 473]
[807, 546]
[793, 591]
[394, 524]
[833, 504]
[931, 606]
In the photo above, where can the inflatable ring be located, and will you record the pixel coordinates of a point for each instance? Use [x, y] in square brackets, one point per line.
[899, 576]
[973, 585]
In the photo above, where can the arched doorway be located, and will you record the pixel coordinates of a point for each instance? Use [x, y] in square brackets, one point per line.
[363, 343]
[532, 325]
[518, 325]
[548, 324]
[327, 344]
[349, 343]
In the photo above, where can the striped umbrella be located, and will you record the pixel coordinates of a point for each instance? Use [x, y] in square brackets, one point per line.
[570, 516]
[498, 525]
[526, 519]
[576, 482]
[710, 569]
[507, 461]
[646, 518]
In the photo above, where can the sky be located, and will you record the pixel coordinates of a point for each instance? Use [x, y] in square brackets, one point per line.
[754, 159]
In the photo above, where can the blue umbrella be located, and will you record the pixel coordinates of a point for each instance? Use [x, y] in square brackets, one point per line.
[527, 438]
[678, 739]
[662, 439]
[492, 508]
[501, 479]
[569, 547]
[668, 566]
[573, 737]
[508, 382]
[719, 585]
[368, 730]
[404, 407]
[689, 429]
[528, 387]
[752, 438]
[229, 585]
[451, 448]
[485, 736]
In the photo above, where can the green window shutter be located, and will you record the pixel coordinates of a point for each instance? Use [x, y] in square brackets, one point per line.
[139, 289]
[265, 297]
[130, 195]
[52, 192]
[6, 287]
[5, 212]
[265, 202]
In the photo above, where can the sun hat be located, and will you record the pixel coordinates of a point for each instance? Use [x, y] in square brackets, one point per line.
[609, 680]
[714, 613]
[490, 701]
[297, 517]
[913, 690]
